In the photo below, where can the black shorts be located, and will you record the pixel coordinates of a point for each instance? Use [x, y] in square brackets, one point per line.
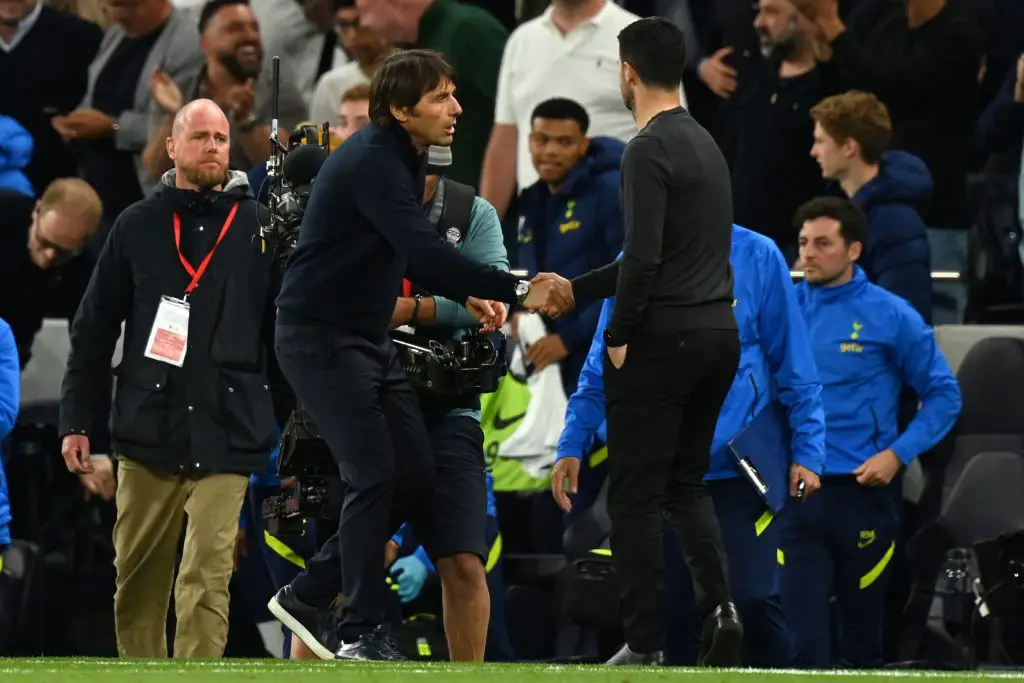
[459, 509]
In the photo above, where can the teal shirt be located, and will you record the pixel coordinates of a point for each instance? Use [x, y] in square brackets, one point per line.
[484, 242]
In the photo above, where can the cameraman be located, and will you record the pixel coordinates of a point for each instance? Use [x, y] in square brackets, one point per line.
[463, 507]
[362, 229]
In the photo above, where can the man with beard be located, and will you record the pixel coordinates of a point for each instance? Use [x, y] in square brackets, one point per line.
[868, 345]
[771, 175]
[673, 293]
[236, 78]
[193, 414]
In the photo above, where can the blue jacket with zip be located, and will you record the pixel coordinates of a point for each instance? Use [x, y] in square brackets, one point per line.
[775, 364]
[16, 146]
[10, 399]
[573, 231]
[868, 344]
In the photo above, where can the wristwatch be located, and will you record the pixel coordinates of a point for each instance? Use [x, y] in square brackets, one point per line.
[522, 290]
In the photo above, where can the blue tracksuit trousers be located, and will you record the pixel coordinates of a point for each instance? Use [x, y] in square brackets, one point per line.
[839, 543]
[751, 543]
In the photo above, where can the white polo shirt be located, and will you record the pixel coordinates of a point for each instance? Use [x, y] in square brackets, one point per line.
[540, 63]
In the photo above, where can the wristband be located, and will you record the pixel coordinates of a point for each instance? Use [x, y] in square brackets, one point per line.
[414, 320]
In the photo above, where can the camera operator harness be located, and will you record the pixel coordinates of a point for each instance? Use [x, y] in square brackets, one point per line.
[451, 373]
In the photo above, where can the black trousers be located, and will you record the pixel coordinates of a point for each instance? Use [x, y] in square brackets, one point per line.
[369, 415]
[663, 407]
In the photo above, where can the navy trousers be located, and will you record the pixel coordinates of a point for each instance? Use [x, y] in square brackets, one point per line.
[839, 543]
[752, 544]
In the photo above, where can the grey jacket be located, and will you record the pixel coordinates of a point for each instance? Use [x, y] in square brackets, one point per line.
[176, 51]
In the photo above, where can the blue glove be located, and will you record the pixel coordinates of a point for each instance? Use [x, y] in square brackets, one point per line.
[411, 574]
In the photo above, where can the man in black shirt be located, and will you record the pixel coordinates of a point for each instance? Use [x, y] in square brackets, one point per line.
[673, 311]
[363, 230]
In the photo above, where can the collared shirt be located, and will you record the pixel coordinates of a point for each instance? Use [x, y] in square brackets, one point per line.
[24, 26]
[582, 65]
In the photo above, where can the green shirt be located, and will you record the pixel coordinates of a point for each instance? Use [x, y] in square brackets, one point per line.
[472, 40]
[484, 242]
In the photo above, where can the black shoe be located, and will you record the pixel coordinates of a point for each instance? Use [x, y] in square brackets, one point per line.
[375, 646]
[723, 634]
[626, 657]
[317, 629]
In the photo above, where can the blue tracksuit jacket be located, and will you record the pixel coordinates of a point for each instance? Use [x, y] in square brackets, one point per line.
[868, 344]
[10, 398]
[775, 362]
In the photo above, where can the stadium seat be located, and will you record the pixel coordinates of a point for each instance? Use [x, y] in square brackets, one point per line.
[983, 504]
[992, 418]
[20, 622]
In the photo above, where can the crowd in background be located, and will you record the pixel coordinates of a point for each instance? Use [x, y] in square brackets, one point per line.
[913, 109]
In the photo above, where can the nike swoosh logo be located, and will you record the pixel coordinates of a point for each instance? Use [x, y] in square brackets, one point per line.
[501, 423]
[864, 544]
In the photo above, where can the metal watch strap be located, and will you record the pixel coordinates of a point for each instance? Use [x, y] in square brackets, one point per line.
[522, 291]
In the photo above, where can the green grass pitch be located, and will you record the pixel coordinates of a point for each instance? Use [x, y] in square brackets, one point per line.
[239, 671]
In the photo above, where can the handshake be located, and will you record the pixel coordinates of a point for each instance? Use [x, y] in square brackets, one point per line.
[550, 294]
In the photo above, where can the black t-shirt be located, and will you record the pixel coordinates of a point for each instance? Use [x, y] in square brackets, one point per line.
[773, 172]
[109, 170]
[927, 76]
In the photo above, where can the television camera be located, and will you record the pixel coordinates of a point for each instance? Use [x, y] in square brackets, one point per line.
[438, 367]
[290, 174]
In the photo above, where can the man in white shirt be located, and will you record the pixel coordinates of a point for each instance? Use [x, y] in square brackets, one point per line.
[570, 51]
[367, 48]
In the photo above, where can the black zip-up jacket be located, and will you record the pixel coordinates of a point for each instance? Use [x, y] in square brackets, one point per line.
[215, 414]
[363, 230]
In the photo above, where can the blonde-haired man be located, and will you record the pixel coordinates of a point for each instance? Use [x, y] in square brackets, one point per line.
[851, 140]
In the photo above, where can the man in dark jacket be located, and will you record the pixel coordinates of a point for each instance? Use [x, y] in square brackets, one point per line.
[570, 222]
[363, 230]
[851, 133]
[41, 242]
[193, 414]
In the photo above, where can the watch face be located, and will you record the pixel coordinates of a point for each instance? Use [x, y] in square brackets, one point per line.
[522, 287]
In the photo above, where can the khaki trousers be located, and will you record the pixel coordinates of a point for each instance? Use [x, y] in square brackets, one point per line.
[151, 509]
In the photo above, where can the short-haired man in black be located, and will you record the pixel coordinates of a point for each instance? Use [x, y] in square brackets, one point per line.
[673, 309]
[364, 229]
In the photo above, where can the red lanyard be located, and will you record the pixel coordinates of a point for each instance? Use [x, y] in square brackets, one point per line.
[197, 273]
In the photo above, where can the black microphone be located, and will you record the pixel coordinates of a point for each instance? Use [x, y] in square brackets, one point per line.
[303, 163]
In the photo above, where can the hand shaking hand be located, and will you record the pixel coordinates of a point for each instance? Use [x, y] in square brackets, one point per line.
[550, 294]
[491, 314]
